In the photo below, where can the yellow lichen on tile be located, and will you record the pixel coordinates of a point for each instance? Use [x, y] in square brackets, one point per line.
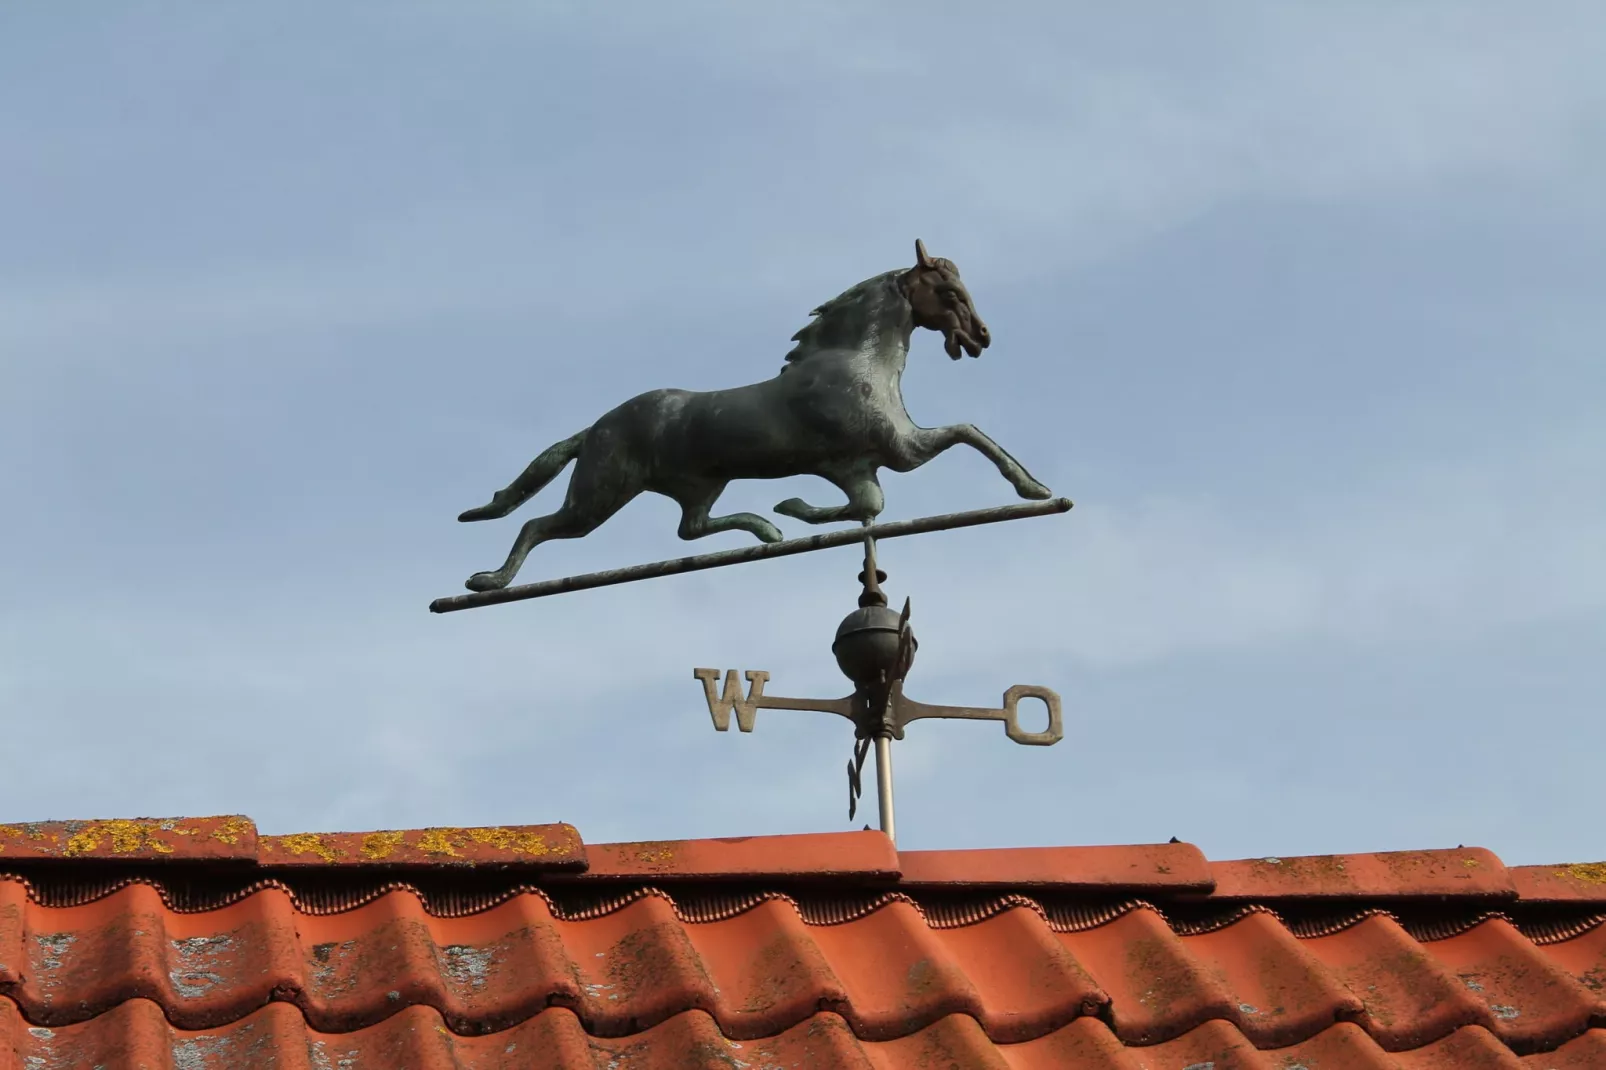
[305, 843]
[379, 845]
[649, 853]
[18, 832]
[1588, 872]
[123, 836]
[231, 830]
[439, 841]
[518, 841]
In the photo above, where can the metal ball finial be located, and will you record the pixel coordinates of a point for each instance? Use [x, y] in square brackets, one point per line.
[867, 645]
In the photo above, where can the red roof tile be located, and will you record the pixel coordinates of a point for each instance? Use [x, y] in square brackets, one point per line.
[549, 847]
[477, 949]
[817, 856]
[1177, 867]
[1561, 884]
[1465, 871]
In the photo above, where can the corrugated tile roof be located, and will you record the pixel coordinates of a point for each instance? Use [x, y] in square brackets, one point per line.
[197, 944]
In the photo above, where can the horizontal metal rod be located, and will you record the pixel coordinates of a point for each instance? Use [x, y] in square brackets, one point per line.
[743, 554]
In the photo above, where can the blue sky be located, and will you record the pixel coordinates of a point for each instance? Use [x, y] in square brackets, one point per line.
[1301, 305]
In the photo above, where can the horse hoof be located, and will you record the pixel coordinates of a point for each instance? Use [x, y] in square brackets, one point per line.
[796, 508]
[485, 581]
[1036, 492]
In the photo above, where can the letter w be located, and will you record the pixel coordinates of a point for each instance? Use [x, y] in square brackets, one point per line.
[720, 706]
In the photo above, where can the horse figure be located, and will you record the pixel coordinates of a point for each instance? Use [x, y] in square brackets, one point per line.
[834, 411]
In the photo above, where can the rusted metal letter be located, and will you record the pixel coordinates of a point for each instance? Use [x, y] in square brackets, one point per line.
[720, 705]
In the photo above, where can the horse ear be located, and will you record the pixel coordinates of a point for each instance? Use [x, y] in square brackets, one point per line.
[921, 259]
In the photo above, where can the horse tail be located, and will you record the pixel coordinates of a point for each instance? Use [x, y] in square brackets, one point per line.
[536, 475]
[545, 468]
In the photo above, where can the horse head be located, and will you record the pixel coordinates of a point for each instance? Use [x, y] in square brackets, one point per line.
[939, 301]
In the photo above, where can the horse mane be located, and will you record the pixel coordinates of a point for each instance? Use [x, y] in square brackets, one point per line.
[846, 319]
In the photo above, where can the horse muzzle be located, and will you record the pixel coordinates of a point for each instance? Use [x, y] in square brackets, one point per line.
[973, 342]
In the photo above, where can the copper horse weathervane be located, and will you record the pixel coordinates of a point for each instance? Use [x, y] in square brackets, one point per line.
[835, 411]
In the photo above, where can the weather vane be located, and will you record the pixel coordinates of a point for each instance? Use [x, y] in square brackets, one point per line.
[835, 411]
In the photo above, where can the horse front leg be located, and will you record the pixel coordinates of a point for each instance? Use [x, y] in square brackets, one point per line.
[865, 500]
[926, 442]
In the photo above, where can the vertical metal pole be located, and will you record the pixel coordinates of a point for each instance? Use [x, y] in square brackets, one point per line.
[874, 596]
[883, 785]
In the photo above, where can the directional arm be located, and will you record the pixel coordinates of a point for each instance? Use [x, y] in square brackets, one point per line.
[906, 709]
[720, 704]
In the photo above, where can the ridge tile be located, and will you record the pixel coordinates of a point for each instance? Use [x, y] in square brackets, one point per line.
[1575, 882]
[1464, 872]
[1172, 867]
[229, 838]
[547, 847]
[809, 856]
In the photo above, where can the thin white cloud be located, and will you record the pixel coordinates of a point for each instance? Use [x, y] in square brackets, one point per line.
[1040, 150]
[1433, 552]
[405, 708]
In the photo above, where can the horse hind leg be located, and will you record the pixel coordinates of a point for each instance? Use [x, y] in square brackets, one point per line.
[865, 501]
[563, 524]
[697, 499]
[601, 486]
